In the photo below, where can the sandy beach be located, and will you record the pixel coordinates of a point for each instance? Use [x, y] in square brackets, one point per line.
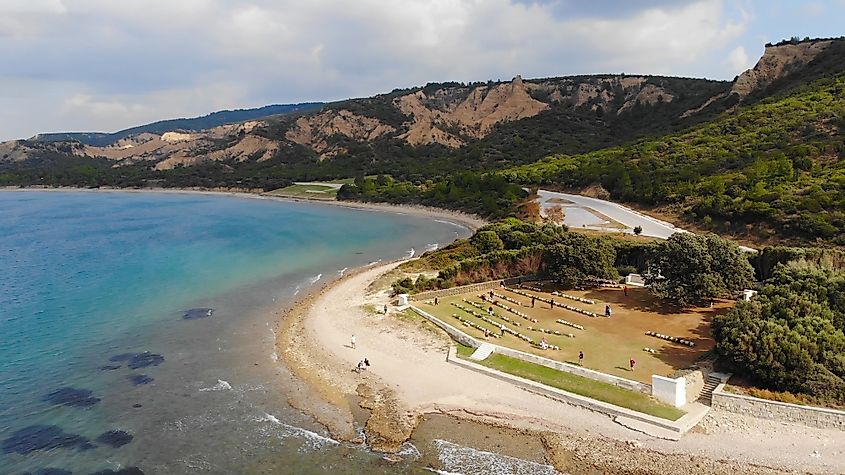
[410, 377]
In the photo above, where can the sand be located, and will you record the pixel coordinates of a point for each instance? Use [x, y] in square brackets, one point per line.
[410, 371]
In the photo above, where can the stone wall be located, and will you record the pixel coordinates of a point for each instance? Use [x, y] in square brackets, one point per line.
[695, 383]
[779, 411]
[471, 288]
[467, 340]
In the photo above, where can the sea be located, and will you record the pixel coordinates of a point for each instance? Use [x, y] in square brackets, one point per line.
[136, 334]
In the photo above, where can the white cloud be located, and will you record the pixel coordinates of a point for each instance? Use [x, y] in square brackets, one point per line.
[738, 60]
[111, 64]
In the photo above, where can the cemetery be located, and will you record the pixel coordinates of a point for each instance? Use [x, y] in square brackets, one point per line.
[537, 318]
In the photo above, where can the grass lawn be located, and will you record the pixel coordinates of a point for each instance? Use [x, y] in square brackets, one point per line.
[607, 343]
[577, 384]
[312, 192]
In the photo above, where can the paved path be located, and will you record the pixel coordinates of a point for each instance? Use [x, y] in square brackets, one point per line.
[577, 210]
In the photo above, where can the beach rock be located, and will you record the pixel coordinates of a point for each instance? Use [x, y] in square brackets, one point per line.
[110, 367]
[115, 438]
[40, 437]
[389, 425]
[122, 357]
[122, 471]
[197, 313]
[136, 406]
[145, 359]
[140, 379]
[73, 397]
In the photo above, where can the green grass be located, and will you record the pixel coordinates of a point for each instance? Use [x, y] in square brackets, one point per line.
[312, 192]
[577, 384]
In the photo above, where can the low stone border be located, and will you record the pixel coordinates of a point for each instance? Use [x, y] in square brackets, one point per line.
[471, 288]
[811, 416]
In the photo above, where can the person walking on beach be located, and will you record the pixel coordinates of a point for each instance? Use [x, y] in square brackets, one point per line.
[632, 363]
[352, 341]
[385, 309]
[607, 311]
[580, 358]
[625, 290]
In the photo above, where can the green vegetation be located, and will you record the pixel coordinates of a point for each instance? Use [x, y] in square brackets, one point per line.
[485, 195]
[691, 269]
[791, 337]
[775, 165]
[577, 384]
[310, 192]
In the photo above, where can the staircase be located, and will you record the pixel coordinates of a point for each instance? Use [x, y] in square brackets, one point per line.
[706, 396]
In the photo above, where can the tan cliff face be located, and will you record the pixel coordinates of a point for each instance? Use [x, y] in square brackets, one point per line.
[314, 131]
[776, 62]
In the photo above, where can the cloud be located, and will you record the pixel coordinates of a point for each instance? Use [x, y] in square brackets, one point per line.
[738, 60]
[103, 64]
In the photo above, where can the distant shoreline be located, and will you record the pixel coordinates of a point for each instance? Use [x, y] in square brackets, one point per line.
[468, 221]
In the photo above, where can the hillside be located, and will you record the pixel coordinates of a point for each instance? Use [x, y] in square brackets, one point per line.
[773, 168]
[215, 119]
[757, 156]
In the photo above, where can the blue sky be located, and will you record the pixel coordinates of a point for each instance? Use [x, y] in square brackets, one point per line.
[103, 65]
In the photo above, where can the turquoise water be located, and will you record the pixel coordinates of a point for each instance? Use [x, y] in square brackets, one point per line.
[91, 276]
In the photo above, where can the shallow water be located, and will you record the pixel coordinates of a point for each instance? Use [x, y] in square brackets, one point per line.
[155, 312]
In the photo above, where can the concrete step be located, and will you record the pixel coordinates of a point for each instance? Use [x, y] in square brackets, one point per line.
[482, 352]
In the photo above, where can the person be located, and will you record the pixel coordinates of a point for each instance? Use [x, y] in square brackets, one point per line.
[385, 309]
[366, 362]
[543, 344]
[533, 301]
[360, 367]
[489, 310]
[491, 294]
[352, 341]
[552, 304]
[580, 358]
[486, 333]
[607, 311]
[437, 301]
[502, 327]
[625, 290]
[632, 363]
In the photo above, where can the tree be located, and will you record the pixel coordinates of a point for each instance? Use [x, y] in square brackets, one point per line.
[692, 269]
[556, 214]
[578, 257]
[638, 230]
[487, 241]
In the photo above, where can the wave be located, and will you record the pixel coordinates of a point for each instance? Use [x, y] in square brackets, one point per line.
[431, 247]
[315, 279]
[449, 222]
[312, 440]
[411, 253]
[296, 291]
[473, 461]
[220, 386]
[373, 263]
[342, 271]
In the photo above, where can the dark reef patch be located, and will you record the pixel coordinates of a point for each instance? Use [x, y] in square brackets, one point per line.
[115, 438]
[49, 471]
[145, 359]
[197, 313]
[41, 437]
[122, 357]
[140, 379]
[73, 397]
[110, 367]
[122, 471]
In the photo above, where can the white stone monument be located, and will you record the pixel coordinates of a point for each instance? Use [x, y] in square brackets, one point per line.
[402, 300]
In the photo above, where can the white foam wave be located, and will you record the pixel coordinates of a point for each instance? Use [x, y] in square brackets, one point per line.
[315, 279]
[311, 440]
[374, 263]
[448, 222]
[342, 271]
[472, 461]
[220, 386]
[411, 253]
[431, 247]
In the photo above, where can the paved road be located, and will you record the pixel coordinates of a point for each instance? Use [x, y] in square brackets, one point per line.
[578, 215]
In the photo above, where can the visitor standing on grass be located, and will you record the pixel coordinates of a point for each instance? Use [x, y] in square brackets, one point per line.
[533, 301]
[437, 301]
[632, 363]
[502, 327]
[580, 358]
[352, 341]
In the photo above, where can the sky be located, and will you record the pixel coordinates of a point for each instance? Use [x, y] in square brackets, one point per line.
[105, 65]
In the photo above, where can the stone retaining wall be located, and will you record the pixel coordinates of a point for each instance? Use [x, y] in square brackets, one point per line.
[467, 340]
[695, 384]
[779, 411]
[471, 288]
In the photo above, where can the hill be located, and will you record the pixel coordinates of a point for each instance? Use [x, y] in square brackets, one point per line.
[215, 119]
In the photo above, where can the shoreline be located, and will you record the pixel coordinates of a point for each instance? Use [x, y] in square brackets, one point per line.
[467, 221]
[410, 373]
